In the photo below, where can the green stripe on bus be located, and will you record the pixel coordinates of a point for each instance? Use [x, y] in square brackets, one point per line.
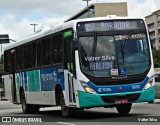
[67, 33]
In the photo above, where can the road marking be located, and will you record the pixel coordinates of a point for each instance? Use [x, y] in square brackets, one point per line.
[65, 123]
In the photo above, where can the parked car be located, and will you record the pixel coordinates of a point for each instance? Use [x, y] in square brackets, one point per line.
[157, 85]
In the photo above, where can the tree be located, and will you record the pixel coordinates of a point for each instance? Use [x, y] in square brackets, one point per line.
[156, 58]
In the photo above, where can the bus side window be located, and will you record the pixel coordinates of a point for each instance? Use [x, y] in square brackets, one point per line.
[34, 55]
[39, 60]
[60, 49]
[28, 56]
[55, 48]
[46, 53]
[7, 62]
[57, 44]
[19, 58]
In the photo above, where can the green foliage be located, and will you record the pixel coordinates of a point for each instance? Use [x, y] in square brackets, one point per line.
[156, 58]
[2, 58]
[1, 69]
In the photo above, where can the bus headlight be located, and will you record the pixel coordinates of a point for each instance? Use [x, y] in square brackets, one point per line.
[86, 87]
[149, 84]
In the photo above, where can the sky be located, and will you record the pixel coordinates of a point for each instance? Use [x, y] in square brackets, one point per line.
[17, 15]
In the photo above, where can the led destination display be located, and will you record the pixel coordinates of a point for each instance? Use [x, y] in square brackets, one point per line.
[111, 25]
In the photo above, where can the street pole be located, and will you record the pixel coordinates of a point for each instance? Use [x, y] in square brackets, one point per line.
[87, 6]
[34, 26]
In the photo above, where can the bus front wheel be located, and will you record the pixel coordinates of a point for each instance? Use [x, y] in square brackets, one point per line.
[124, 108]
[66, 111]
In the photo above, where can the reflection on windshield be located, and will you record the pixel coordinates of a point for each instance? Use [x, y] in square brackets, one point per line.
[105, 56]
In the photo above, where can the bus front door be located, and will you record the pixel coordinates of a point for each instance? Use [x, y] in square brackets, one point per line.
[69, 75]
[13, 82]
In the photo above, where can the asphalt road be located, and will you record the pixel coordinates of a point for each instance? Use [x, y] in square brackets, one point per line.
[139, 114]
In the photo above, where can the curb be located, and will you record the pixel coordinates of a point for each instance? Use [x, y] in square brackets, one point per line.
[2, 96]
[3, 99]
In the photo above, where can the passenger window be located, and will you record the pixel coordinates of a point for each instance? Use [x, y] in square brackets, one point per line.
[34, 51]
[28, 56]
[19, 58]
[46, 51]
[57, 43]
[7, 62]
[39, 48]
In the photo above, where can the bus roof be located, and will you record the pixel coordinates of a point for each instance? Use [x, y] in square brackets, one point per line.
[70, 24]
[45, 32]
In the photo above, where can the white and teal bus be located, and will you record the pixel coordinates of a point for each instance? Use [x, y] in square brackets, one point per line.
[85, 63]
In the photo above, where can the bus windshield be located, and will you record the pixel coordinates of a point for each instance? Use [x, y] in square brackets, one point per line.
[113, 55]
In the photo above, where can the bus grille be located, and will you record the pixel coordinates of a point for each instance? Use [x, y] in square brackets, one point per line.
[103, 82]
[130, 97]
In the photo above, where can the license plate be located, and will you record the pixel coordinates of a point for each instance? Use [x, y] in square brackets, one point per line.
[121, 101]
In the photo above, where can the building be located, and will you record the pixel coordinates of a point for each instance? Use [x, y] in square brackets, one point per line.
[101, 10]
[153, 23]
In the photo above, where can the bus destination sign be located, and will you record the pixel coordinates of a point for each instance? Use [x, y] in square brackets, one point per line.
[111, 25]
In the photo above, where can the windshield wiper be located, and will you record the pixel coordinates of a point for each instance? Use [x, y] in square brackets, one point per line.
[123, 50]
[94, 49]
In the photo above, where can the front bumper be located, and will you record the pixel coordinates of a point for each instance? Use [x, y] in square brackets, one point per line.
[98, 100]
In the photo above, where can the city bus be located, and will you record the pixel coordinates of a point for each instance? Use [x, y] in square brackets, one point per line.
[84, 63]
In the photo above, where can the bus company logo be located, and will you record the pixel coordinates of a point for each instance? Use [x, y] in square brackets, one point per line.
[104, 90]
[100, 90]
[136, 86]
[6, 119]
[120, 88]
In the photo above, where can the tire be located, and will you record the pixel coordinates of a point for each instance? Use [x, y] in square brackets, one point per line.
[65, 110]
[151, 102]
[26, 108]
[34, 109]
[123, 109]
